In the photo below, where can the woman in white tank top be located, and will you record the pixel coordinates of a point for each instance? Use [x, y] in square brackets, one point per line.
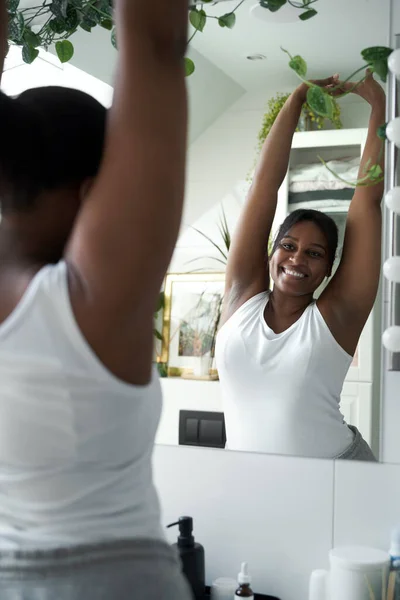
[282, 356]
[88, 227]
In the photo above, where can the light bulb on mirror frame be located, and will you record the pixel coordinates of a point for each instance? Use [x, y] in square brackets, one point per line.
[392, 200]
[391, 339]
[393, 131]
[391, 269]
[394, 62]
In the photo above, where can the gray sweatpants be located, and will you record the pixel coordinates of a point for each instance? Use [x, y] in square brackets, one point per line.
[129, 570]
[359, 449]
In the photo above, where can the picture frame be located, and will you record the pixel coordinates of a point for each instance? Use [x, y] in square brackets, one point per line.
[192, 311]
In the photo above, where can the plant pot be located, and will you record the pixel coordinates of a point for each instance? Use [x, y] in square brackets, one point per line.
[305, 123]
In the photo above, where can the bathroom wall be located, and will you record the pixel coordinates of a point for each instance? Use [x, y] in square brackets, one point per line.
[225, 152]
[280, 514]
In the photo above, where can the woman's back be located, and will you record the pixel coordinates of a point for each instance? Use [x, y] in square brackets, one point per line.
[75, 442]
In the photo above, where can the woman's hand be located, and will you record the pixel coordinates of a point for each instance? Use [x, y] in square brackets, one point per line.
[369, 89]
[329, 84]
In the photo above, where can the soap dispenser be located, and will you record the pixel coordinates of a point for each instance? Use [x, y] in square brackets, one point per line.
[192, 557]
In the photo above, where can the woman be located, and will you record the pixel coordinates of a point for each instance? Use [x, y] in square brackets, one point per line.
[282, 357]
[85, 239]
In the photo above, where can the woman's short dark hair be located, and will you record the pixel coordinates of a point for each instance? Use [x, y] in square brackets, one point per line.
[326, 224]
[51, 138]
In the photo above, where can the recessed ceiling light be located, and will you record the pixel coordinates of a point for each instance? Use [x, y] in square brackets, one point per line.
[256, 57]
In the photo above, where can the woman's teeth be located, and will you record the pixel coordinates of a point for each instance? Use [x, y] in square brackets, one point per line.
[294, 273]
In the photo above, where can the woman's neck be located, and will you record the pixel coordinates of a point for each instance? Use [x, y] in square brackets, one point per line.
[285, 306]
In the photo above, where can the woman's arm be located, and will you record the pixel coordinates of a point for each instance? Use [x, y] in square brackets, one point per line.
[247, 272]
[128, 226]
[350, 296]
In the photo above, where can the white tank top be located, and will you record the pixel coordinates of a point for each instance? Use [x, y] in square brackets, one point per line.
[75, 442]
[281, 392]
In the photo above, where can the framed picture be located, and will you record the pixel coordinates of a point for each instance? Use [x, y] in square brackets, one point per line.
[192, 312]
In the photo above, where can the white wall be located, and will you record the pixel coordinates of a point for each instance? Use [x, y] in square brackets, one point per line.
[280, 514]
[211, 91]
[225, 153]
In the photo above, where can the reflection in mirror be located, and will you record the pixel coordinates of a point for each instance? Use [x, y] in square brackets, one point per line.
[299, 345]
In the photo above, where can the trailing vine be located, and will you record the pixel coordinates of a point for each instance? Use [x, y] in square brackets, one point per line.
[199, 18]
[322, 102]
[61, 19]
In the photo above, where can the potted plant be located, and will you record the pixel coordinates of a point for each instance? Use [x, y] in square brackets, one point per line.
[309, 119]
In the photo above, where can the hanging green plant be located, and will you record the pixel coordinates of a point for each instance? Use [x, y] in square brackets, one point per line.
[198, 17]
[321, 101]
[308, 120]
[34, 25]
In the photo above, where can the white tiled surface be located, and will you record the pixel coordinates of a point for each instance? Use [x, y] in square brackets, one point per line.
[367, 503]
[272, 511]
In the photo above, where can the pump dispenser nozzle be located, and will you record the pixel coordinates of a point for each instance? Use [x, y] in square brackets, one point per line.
[185, 531]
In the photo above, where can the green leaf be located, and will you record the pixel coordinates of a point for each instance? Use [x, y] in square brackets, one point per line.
[161, 302]
[58, 25]
[228, 20]
[198, 19]
[107, 24]
[189, 67]
[299, 65]
[114, 40]
[85, 26]
[12, 6]
[375, 172]
[273, 5]
[206, 237]
[14, 32]
[382, 132]
[320, 102]
[29, 54]
[72, 19]
[59, 8]
[376, 53]
[309, 14]
[65, 51]
[21, 24]
[32, 39]
[158, 335]
[381, 68]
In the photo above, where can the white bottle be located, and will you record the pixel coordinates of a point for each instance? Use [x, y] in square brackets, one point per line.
[318, 589]
[244, 590]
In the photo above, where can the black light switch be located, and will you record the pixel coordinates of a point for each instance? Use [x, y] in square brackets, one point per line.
[211, 432]
[192, 431]
[201, 428]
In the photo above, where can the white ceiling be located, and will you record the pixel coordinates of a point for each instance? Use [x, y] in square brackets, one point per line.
[330, 42]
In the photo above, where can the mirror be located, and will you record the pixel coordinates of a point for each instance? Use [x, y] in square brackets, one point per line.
[236, 91]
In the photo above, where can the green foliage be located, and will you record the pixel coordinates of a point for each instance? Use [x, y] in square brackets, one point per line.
[59, 19]
[275, 105]
[199, 19]
[321, 100]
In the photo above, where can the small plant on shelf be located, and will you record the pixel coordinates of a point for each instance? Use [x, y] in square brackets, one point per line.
[309, 119]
